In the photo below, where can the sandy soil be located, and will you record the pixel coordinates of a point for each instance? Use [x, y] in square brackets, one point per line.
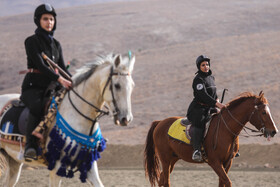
[179, 178]
[122, 166]
[241, 37]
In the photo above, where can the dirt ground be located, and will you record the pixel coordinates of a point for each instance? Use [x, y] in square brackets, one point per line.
[242, 38]
[179, 178]
[122, 166]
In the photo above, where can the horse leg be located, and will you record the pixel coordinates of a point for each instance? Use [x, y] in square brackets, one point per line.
[227, 166]
[9, 170]
[164, 174]
[4, 169]
[93, 176]
[15, 171]
[224, 180]
[172, 163]
[167, 163]
[54, 179]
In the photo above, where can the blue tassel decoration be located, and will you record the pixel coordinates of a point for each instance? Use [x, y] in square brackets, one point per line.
[74, 163]
[66, 150]
[50, 160]
[90, 160]
[62, 171]
[65, 160]
[70, 174]
[53, 133]
[73, 151]
[85, 157]
[83, 171]
[102, 145]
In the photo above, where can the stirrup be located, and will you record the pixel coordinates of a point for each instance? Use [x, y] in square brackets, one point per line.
[30, 154]
[197, 156]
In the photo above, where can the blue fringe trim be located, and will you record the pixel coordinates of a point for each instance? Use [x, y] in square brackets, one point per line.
[86, 156]
[88, 153]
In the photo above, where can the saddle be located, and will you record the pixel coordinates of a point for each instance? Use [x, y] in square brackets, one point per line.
[13, 121]
[13, 118]
[181, 129]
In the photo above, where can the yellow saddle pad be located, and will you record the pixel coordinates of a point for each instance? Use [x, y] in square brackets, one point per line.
[177, 131]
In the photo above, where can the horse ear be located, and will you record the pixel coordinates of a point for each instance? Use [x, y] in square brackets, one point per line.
[131, 64]
[118, 61]
[261, 94]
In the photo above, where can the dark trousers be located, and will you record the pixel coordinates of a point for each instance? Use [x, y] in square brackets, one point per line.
[34, 100]
[198, 115]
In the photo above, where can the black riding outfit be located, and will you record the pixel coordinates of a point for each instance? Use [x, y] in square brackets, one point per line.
[205, 98]
[40, 76]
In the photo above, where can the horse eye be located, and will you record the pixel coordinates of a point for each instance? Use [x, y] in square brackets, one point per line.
[264, 113]
[118, 86]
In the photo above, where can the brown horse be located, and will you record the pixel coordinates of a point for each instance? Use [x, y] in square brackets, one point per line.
[221, 142]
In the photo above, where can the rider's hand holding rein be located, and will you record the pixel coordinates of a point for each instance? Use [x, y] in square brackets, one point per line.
[220, 105]
[64, 82]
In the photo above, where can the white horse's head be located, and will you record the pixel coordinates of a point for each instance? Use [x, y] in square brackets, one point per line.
[118, 88]
[110, 77]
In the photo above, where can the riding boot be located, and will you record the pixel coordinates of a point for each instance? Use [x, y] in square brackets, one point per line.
[31, 145]
[196, 143]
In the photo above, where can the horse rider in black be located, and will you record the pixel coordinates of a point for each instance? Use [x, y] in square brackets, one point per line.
[39, 75]
[205, 99]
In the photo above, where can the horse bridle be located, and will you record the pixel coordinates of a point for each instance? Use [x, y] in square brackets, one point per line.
[239, 123]
[256, 108]
[109, 80]
[101, 112]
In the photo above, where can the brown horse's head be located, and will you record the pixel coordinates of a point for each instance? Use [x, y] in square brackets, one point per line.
[261, 117]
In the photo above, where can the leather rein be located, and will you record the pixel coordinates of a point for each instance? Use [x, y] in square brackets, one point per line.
[99, 110]
[243, 125]
[239, 123]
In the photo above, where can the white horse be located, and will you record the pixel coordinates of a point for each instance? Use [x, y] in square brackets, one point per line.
[106, 80]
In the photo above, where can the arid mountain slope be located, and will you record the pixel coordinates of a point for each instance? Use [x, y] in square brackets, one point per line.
[241, 38]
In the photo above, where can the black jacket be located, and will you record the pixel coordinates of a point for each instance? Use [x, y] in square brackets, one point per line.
[34, 46]
[204, 91]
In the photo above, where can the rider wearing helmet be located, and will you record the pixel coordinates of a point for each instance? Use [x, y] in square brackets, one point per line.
[205, 99]
[39, 75]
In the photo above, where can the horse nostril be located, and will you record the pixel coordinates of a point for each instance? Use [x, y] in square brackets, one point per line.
[273, 133]
[124, 121]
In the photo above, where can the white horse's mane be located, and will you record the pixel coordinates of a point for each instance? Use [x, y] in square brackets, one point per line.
[89, 68]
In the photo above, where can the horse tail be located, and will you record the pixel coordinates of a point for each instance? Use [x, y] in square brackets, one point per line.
[151, 159]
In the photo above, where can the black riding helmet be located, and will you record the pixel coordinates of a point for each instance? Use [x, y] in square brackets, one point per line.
[201, 59]
[44, 9]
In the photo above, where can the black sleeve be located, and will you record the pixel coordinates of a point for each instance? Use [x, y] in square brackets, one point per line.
[201, 93]
[33, 53]
[61, 59]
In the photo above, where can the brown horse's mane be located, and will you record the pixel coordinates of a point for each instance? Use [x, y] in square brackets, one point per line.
[244, 96]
